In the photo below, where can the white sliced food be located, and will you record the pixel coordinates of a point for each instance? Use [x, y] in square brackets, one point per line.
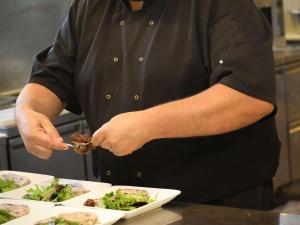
[20, 180]
[15, 210]
[46, 221]
[127, 191]
[82, 218]
[79, 189]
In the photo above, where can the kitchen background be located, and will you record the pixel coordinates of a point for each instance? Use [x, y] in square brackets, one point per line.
[27, 26]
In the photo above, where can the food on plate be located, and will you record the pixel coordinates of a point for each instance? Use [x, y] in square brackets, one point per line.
[82, 143]
[55, 192]
[122, 199]
[10, 212]
[11, 181]
[75, 218]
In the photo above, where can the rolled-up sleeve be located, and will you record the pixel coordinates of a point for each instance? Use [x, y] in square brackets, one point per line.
[54, 67]
[240, 49]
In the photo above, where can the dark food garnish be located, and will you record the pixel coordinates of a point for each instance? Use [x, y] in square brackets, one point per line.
[90, 202]
[82, 143]
[81, 138]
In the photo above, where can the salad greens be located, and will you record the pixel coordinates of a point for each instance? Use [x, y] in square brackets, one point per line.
[8, 185]
[5, 217]
[65, 194]
[120, 201]
[59, 221]
[55, 192]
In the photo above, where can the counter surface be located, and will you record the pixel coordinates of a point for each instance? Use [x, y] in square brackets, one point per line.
[8, 125]
[286, 55]
[177, 213]
[7, 118]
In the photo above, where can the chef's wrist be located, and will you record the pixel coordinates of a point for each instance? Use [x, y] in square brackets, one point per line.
[21, 109]
[27, 106]
[151, 124]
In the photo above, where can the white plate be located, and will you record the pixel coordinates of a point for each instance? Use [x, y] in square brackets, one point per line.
[44, 210]
[91, 186]
[33, 177]
[106, 217]
[35, 209]
[156, 216]
[162, 196]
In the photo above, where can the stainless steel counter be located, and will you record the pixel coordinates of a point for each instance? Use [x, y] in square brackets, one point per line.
[177, 213]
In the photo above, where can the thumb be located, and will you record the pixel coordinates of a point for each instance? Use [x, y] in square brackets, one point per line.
[99, 136]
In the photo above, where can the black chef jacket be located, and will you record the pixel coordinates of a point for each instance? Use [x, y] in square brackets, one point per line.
[107, 60]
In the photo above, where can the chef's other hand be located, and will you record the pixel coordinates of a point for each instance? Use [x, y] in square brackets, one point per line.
[39, 135]
[124, 133]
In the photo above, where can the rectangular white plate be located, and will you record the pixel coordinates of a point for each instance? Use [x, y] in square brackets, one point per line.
[106, 217]
[43, 210]
[91, 186]
[162, 196]
[35, 209]
[33, 177]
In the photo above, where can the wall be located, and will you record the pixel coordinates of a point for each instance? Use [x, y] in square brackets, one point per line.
[26, 27]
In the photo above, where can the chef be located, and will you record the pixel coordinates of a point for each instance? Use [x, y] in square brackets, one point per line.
[177, 94]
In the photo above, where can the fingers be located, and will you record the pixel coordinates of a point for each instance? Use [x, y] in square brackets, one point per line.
[106, 144]
[107, 139]
[40, 137]
[98, 139]
[114, 149]
[39, 134]
[40, 152]
[56, 141]
[50, 129]
[99, 136]
[120, 154]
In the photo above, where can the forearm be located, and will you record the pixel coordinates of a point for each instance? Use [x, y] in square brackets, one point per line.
[218, 110]
[39, 99]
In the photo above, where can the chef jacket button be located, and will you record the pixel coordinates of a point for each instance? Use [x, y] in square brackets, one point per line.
[136, 97]
[116, 59]
[141, 59]
[122, 22]
[108, 173]
[221, 61]
[108, 96]
[151, 23]
[139, 174]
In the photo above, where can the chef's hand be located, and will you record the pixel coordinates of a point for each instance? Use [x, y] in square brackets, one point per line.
[124, 133]
[39, 135]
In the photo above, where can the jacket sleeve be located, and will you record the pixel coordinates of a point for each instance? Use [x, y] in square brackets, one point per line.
[239, 49]
[54, 67]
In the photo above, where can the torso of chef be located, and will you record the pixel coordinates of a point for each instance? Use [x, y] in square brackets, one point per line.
[178, 94]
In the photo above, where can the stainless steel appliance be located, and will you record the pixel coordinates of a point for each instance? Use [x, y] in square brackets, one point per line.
[3, 152]
[296, 17]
